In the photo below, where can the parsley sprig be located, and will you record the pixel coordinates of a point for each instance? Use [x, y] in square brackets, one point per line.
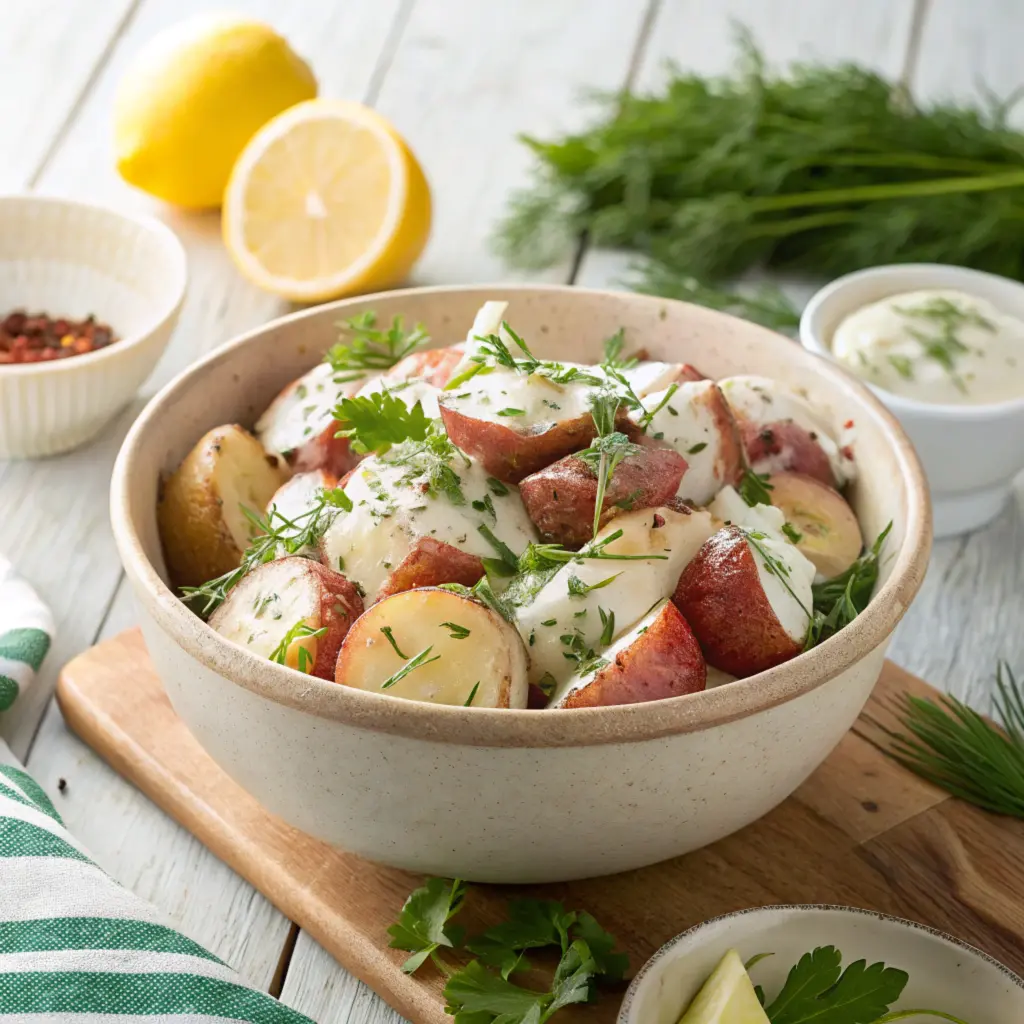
[819, 990]
[602, 459]
[431, 461]
[373, 423]
[300, 631]
[481, 992]
[274, 536]
[372, 350]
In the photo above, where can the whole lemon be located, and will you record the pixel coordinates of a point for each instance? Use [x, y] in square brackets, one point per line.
[193, 97]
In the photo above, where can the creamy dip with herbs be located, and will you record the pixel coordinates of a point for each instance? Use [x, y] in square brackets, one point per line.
[940, 346]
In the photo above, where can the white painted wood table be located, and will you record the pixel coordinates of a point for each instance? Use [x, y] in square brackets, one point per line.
[459, 78]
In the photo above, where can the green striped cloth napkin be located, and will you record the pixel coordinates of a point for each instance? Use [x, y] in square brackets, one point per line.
[75, 946]
[26, 629]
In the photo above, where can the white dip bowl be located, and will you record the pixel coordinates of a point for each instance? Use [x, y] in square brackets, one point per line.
[970, 453]
[945, 973]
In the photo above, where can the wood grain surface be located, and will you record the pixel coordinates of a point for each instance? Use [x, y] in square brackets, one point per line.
[860, 832]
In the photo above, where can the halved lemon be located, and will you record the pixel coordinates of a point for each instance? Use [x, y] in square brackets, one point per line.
[326, 200]
[727, 997]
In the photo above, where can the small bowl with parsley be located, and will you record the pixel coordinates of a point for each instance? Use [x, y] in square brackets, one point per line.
[821, 964]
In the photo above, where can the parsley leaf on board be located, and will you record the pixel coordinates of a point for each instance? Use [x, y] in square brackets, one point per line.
[422, 927]
[531, 924]
[373, 423]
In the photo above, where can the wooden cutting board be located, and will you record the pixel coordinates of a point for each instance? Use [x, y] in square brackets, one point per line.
[861, 832]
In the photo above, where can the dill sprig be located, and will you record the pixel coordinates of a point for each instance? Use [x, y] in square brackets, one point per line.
[817, 169]
[274, 536]
[961, 751]
[372, 350]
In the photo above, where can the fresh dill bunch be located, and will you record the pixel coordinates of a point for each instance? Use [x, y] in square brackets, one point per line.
[961, 751]
[819, 169]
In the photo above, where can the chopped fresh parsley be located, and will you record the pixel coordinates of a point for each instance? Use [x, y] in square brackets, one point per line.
[607, 626]
[415, 662]
[792, 533]
[754, 488]
[696, 448]
[497, 487]
[511, 412]
[430, 461]
[457, 632]
[300, 631]
[386, 630]
[507, 559]
[577, 588]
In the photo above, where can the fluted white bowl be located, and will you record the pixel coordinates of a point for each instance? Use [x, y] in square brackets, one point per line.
[69, 259]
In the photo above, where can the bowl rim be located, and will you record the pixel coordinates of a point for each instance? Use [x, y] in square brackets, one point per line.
[494, 727]
[797, 908]
[163, 311]
[811, 336]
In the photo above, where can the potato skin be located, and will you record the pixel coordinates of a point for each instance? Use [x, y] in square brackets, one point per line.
[430, 563]
[194, 527]
[831, 536]
[721, 597]
[560, 498]
[325, 451]
[665, 661]
[335, 600]
[789, 446]
[509, 455]
[435, 365]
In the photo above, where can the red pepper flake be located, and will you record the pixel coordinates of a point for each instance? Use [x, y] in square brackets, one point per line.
[39, 338]
[848, 425]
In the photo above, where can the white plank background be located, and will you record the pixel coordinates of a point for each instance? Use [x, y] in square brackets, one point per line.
[459, 78]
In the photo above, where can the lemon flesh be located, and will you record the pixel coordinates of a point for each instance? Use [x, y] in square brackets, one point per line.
[326, 200]
[194, 96]
[727, 997]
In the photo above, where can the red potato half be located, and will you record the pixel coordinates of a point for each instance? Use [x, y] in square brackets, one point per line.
[430, 563]
[461, 652]
[658, 658]
[560, 498]
[829, 532]
[510, 454]
[299, 426]
[435, 366]
[786, 446]
[271, 600]
[721, 596]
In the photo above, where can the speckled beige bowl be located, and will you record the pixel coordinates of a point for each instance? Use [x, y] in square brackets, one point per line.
[515, 796]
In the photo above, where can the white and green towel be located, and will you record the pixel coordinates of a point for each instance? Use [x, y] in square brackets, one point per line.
[75, 946]
[26, 629]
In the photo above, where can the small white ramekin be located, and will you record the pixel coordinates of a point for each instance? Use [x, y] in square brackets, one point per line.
[944, 973]
[70, 259]
[970, 453]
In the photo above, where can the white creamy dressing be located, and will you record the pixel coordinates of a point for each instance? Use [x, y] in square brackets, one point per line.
[687, 422]
[638, 585]
[391, 511]
[790, 594]
[410, 391]
[303, 410]
[526, 403]
[936, 345]
[763, 400]
[648, 377]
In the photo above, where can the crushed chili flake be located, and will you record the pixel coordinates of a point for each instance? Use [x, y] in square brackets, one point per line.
[38, 338]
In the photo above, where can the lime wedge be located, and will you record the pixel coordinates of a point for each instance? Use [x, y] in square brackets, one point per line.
[727, 997]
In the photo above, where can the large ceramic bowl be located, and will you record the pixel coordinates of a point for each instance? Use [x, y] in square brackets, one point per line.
[944, 973]
[515, 796]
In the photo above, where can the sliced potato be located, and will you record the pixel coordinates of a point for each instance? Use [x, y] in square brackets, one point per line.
[262, 610]
[435, 366]
[446, 649]
[829, 534]
[429, 563]
[202, 526]
[658, 658]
